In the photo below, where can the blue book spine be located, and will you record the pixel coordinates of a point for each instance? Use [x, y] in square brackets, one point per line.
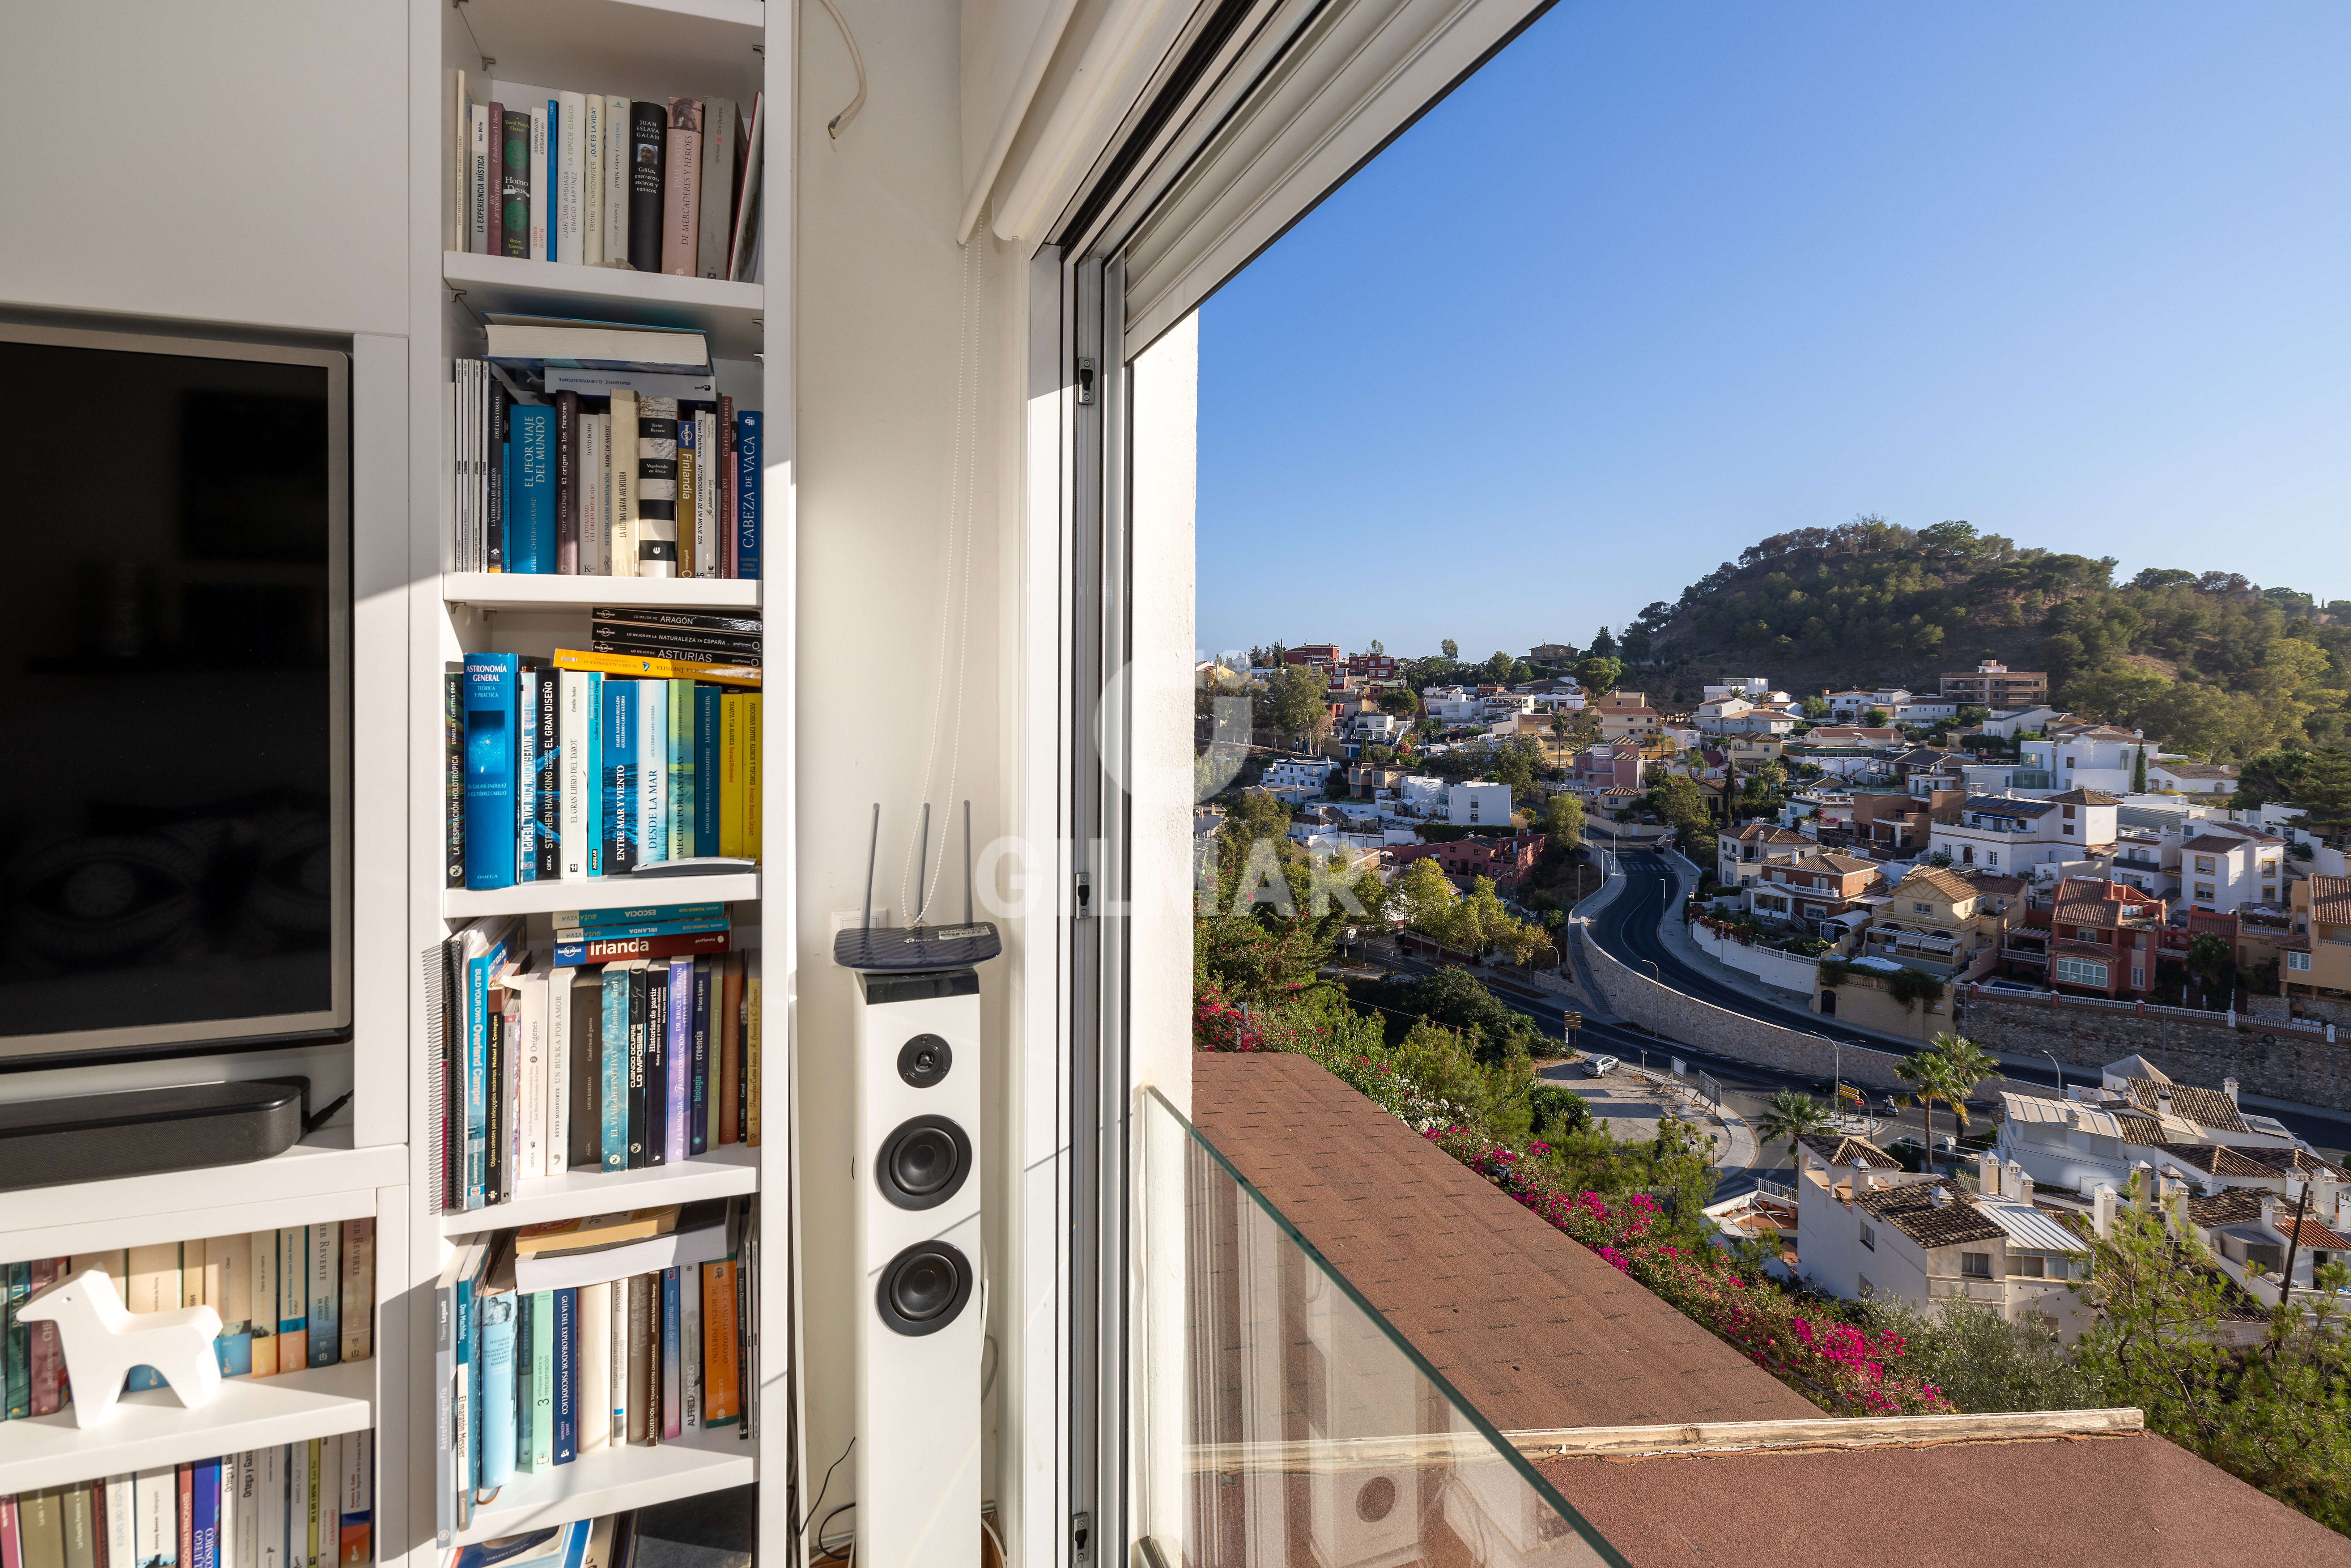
[673, 1391]
[532, 539]
[649, 929]
[612, 1100]
[595, 774]
[526, 832]
[554, 176]
[543, 693]
[635, 915]
[203, 1507]
[747, 489]
[494, 1376]
[566, 1376]
[477, 1073]
[463, 1408]
[490, 740]
[706, 781]
[681, 769]
[617, 744]
[697, 1122]
[235, 1353]
[680, 1103]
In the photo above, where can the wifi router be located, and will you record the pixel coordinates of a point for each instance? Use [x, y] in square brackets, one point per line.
[898, 950]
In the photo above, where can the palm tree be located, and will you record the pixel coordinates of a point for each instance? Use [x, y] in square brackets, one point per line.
[1789, 1114]
[1965, 1065]
[1930, 1080]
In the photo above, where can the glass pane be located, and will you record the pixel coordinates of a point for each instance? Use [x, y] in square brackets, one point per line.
[1284, 1424]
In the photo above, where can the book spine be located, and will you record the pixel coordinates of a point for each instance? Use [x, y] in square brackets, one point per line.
[77, 1516]
[709, 779]
[656, 486]
[642, 1313]
[657, 1057]
[677, 1056]
[616, 1372]
[680, 192]
[557, 1121]
[47, 1360]
[642, 668]
[648, 133]
[753, 807]
[574, 773]
[595, 529]
[612, 1100]
[452, 720]
[542, 199]
[616, 182]
[534, 499]
[496, 1382]
[310, 1460]
[325, 1311]
[751, 1065]
[355, 1501]
[490, 713]
[730, 773]
[203, 1533]
[184, 1515]
[445, 1410]
[514, 182]
[270, 1549]
[640, 1004]
[263, 1245]
[574, 955]
[498, 466]
[653, 772]
[705, 494]
[689, 1348]
[358, 1289]
[570, 201]
[682, 927]
[632, 918]
[670, 653]
[672, 1381]
[592, 179]
[567, 484]
[715, 187]
[621, 456]
[497, 174]
[618, 761]
[681, 769]
[506, 1100]
[478, 184]
[530, 1078]
[526, 829]
[592, 1398]
[720, 1406]
[546, 760]
[697, 1122]
[729, 565]
[688, 435]
[542, 1380]
[730, 1053]
[746, 469]
[583, 1074]
[565, 1385]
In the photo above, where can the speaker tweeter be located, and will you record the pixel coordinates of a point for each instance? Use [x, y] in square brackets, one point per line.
[924, 1060]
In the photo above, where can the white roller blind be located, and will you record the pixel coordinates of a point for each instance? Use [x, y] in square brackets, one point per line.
[1362, 71]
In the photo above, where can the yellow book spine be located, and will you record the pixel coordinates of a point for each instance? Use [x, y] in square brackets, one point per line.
[628, 665]
[751, 813]
[731, 774]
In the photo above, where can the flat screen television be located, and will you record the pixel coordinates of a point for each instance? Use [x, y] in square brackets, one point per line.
[174, 696]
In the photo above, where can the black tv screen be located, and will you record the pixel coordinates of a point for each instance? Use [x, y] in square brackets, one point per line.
[174, 680]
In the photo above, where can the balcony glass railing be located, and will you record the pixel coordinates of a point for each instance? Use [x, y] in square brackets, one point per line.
[1284, 1423]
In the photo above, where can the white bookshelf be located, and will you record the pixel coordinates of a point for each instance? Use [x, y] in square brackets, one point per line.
[644, 49]
[726, 1172]
[540, 591]
[732, 313]
[312, 1183]
[149, 1429]
[598, 892]
[609, 1480]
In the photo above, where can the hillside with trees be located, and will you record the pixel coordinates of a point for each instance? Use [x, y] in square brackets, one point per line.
[2211, 664]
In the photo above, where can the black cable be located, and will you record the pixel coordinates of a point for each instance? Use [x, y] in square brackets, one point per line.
[320, 1119]
[828, 1518]
[801, 1529]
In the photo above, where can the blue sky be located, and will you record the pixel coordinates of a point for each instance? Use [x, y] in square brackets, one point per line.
[1665, 278]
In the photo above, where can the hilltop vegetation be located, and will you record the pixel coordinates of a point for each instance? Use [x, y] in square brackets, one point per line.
[2211, 665]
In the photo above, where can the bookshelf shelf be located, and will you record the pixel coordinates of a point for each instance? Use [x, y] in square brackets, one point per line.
[603, 892]
[608, 1480]
[151, 1429]
[309, 1183]
[723, 1173]
[729, 312]
[531, 591]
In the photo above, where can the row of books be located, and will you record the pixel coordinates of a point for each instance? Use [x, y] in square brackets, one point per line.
[558, 1340]
[557, 773]
[638, 1045]
[286, 1300]
[297, 1505]
[603, 473]
[597, 180]
[608, 1541]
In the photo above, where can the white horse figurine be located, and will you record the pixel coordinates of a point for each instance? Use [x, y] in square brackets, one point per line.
[103, 1340]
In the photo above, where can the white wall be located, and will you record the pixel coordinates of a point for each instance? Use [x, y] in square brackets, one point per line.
[243, 163]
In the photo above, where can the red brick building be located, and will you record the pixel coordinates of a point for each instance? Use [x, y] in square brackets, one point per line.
[2103, 937]
[1503, 858]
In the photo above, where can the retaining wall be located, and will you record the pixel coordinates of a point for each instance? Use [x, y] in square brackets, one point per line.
[1769, 965]
[2282, 1064]
[1670, 1015]
[2322, 1010]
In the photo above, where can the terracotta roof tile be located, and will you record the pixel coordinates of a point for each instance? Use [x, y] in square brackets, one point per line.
[2213, 1159]
[1913, 1210]
[2298, 1160]
[1943, 879]
[2330, 898]
[2206, 1107]
[1841, 1151]
[2238, 1206]
[2087, 798]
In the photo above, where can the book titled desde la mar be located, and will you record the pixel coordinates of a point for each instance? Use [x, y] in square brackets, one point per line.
[594, 449]
[287, 1300]
[604, 761]
[630, 1042]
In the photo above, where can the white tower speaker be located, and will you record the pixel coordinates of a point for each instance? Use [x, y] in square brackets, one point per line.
[921, 1312]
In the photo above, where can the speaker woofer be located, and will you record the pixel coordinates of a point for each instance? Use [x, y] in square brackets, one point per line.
[923, 1162]
[924, 1288]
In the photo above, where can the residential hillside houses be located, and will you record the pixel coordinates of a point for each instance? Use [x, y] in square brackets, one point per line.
[1992, 684]
[2318, 953]
[2004, 832]
[1626, 715]
[1744, 853]
[1944, 921]
[1504, 858]
[1815, 892]
[1295, 774]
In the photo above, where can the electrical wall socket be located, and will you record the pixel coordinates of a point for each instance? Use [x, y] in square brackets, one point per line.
[851, 919]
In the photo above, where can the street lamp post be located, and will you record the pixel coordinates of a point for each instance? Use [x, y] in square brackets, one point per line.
[2061, 1072]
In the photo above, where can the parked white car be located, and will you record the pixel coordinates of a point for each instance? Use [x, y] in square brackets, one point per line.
[1599, 1066]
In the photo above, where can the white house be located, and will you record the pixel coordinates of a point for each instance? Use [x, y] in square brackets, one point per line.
[1420, 796]
[2009, 722]
[2004, 833]
[1371, 724]
[1865, 1227]
[1743, 855]
[1739, 687]
[1722, 715]
[1478, 803]
[2178, 776]
[1924, 710]
[2228, 867]
[1298, 772]
[1452, 705]
[2090, 757]
[1849, 705]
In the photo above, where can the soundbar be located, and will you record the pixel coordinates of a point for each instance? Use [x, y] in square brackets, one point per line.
[141, 1132]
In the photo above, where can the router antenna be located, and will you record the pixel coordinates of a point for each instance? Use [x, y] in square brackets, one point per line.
[966, 862]
[922, 867]
[872, 842]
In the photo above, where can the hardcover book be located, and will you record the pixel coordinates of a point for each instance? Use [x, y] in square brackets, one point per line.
[532, 544]
[681, 187]
[567, 484]
[746, 467]
[656, 486]
[490, 755]
[648, 134]
[616, 182]
[716, 187]
[514, 181]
